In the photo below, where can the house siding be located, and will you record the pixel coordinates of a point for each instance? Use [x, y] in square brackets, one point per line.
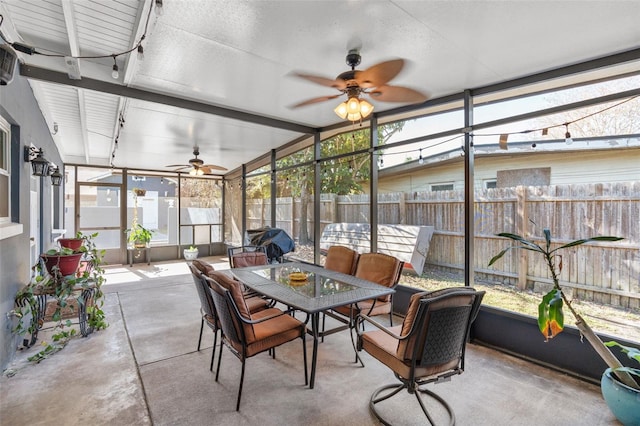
[18, 106]
[575, 167]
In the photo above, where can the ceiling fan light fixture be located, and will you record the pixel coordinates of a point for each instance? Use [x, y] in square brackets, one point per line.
[341, 110]
[353, 105]
[354, 109]
[365, 108]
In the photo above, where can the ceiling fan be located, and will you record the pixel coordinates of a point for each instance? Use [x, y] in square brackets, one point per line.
[197, 166]
[354, 83]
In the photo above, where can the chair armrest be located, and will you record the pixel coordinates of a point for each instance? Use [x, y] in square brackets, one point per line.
[258, 321]
[361, 318]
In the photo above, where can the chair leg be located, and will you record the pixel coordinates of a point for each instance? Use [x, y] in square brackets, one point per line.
[240, 389]
[213, 352]
[219, 359]
[201, 328]
[394, 389]
[215, 341]
[452, 416]
[375, 398]
[304, 356]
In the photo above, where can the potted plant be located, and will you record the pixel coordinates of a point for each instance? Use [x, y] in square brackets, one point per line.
[551, 316]
[61, 261]
[190, 253]
[72, 243]
[138, 236]
[61, 287]
[139, 192]
[623, 400]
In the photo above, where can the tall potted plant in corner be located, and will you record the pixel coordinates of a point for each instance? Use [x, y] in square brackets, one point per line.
[551, 322]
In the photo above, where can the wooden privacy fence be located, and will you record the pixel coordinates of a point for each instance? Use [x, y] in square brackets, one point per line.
[603, 272]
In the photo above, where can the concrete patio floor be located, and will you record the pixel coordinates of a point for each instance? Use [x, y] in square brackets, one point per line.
[145, 369]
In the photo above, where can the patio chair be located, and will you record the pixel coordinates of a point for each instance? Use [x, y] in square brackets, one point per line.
[248, 258]
[254, 302]
[231, 251]
[381, 269]
[428, 347]
[341, 259]
[246, 334]
[207, 309]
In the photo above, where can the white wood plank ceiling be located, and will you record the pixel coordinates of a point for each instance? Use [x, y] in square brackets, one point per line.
[238, 55]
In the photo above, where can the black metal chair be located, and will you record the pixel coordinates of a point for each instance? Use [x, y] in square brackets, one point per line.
[428, 347]
[245, 249]
[248, 334]
[207, 309]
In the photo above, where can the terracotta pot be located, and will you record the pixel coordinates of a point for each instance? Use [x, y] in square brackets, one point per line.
[70, 243]
[68, 265]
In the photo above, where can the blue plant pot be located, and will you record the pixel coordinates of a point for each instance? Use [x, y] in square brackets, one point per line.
[623, 401]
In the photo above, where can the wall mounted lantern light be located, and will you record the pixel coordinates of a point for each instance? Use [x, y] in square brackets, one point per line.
[39, 165]
[56, 176]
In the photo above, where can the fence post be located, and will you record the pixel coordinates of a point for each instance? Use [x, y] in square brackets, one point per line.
[402, 206]
[522, 221]
[333, 209]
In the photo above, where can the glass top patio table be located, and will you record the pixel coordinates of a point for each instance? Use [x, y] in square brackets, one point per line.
[322, 290]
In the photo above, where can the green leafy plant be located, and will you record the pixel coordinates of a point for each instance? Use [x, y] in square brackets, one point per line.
[138, 234]
[63, 288]
[550, 309]
[632, 353]
[192, 248]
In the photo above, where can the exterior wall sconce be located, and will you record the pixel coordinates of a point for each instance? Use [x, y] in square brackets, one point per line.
[56, 177]
[39, 165]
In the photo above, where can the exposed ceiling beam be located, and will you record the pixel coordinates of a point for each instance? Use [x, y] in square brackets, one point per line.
[74, 48]
[51, 76]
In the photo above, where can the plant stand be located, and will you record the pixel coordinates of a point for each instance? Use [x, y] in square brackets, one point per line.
[39, 309]
[135, 252]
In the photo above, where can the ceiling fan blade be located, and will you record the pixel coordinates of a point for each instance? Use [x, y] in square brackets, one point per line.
[179, 165]
[212, 167]
[397, 94]
[323, 81]
[315, 100]
[379, 74]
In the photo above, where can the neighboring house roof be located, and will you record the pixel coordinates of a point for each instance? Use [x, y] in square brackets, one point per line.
[609, 143]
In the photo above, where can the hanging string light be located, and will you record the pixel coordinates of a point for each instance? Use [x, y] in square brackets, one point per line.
[567, 136]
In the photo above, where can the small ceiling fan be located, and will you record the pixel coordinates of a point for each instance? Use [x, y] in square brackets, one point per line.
[354, 83]
[197, 166]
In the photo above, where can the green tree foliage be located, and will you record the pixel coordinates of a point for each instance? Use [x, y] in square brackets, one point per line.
[203, 193]
[341, 176]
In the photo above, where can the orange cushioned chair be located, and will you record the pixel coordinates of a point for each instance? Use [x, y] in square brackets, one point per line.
[341, 259]
[428, 347]
[207, 309]
[381, 269]
[254, 302]
[247, 334]
[248, 258]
